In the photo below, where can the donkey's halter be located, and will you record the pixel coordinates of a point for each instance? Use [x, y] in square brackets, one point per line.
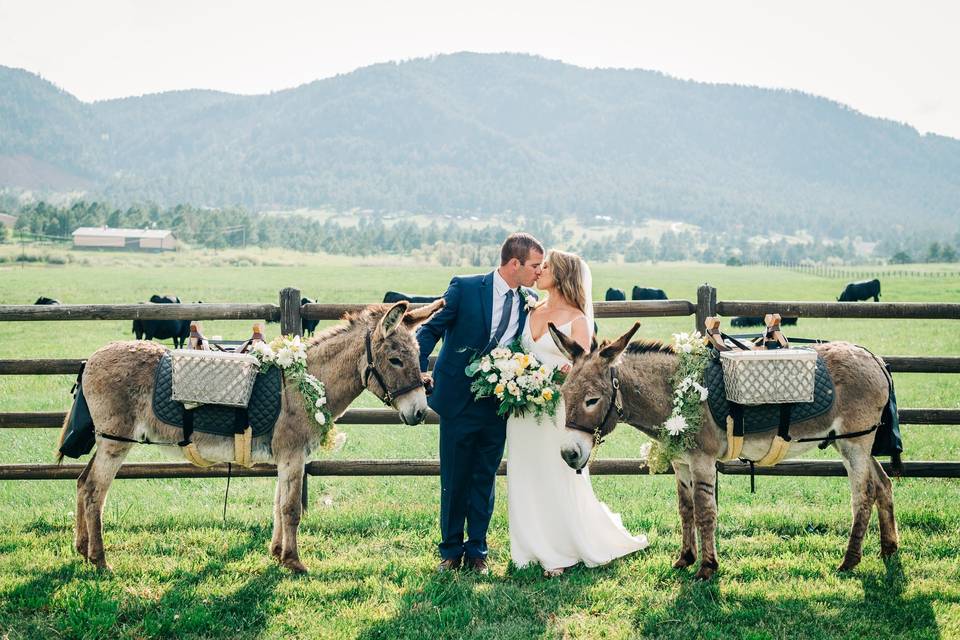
[615, 403]
[371, 369]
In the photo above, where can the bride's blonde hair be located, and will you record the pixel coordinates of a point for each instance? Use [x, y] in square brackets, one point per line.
[568, 277]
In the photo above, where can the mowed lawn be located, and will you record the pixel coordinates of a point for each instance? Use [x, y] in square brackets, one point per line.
[181, 571]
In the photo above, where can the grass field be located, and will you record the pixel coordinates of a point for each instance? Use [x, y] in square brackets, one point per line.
[180, 571]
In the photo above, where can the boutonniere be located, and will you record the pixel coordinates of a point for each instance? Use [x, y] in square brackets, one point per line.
[528, 300]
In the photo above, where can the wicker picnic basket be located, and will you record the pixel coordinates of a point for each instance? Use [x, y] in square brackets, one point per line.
[213, 377]
[769, 377]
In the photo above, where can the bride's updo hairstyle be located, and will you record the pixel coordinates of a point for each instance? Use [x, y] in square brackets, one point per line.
[568, 277]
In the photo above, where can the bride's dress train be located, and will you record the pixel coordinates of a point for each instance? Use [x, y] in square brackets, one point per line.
[555, 518]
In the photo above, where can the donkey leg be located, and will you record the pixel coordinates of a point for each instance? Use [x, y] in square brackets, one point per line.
[290, 475]
[93, 493]
[80, 537]
[862, 496]
[889, 537]
[276, 542]
[688, 548]
[703, 470]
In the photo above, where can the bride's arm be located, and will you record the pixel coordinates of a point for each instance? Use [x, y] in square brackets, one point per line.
[580, 332]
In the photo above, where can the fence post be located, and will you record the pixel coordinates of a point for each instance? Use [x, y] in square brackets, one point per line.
[706, 306]
[291, 325]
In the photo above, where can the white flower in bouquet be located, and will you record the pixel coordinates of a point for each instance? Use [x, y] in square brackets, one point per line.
[702, 390]
[264, 351]
[319, 417]
[500, 353]
[492, 378]
[298, 348]
[675, 425]
[485, 364]
[513, 388]
[285, 357]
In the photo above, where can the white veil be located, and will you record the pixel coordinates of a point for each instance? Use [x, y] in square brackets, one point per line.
[587, 283]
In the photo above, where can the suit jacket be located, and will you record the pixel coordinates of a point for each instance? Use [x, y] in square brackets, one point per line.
[464, 325]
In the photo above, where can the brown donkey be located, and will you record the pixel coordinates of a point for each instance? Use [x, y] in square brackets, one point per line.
[118, 384]
[644, 370]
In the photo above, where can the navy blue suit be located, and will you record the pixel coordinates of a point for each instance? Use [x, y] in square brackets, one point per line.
[471, 434]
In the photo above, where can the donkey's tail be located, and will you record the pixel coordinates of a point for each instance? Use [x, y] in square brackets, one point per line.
[63, 435]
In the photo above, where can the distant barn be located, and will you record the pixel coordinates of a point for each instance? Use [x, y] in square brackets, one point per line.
[136, 239]
[7, 220]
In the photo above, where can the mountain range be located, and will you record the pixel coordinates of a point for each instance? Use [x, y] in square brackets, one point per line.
[483, 134]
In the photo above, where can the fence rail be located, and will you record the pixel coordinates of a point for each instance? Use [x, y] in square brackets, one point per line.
[289, 313]
[612, 466]
[54, 419]
[70, 366]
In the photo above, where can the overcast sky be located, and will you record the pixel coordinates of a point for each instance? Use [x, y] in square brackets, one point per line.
[897, 60]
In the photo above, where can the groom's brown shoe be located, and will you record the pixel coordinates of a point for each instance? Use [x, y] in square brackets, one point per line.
[479, 565]
[450, 564]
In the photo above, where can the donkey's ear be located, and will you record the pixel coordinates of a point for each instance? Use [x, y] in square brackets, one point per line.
[391, 319]
[415, 317]
[616, 347]
[568, 346]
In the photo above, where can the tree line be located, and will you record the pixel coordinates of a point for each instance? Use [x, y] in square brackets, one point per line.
[451, 241]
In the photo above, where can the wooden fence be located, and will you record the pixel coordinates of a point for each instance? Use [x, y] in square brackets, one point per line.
[289, 312]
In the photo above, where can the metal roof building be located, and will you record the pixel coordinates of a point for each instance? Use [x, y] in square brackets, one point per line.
[105, 237]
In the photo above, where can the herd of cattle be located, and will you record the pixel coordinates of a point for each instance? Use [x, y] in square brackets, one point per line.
[179, 330]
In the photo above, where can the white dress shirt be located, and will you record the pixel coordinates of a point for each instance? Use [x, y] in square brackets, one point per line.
[500, 288]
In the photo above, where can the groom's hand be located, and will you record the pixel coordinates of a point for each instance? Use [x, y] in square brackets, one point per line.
[427, 382]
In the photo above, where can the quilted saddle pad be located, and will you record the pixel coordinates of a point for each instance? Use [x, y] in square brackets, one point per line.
[767, 416]
[263, 409]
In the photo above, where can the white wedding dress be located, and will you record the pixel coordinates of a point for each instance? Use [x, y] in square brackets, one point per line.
[555, 519]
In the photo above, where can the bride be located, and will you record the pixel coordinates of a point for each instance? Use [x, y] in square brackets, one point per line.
[555, 519]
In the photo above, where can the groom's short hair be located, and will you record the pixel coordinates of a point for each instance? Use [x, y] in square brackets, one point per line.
[518, 245]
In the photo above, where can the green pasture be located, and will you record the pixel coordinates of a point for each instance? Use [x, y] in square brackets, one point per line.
[181, 571]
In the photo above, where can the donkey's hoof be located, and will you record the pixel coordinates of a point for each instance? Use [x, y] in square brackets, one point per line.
[706, 571]
[887, 550]
[276, 550]
[295, 566]
[848, 565]
[685, 560]
[102, 565]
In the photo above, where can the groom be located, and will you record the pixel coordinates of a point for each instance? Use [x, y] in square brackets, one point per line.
[481, 312]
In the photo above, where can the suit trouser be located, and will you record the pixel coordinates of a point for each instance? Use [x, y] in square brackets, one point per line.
[471, 447]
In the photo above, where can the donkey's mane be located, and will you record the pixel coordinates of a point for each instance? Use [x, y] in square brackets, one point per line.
[648, 346]
[349, 321]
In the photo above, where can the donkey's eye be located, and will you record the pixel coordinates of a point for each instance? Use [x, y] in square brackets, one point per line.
[591, 401]
[397, 362]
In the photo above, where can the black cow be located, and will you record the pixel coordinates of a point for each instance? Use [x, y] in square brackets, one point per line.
[46, 300]
[307, 326]
[757, 321]
[178, 330]
[646, 293]
[394, 296]
[615, 294]
[862, 290]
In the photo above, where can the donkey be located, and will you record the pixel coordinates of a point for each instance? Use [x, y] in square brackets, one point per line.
[643, 370]
[118, 383]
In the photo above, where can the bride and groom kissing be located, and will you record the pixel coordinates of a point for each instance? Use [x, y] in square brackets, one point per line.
[554, 517]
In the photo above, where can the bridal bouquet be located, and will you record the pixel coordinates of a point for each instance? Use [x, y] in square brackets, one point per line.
[517, 379]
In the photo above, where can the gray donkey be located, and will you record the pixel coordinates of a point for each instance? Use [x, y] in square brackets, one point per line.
[644, 370]
[118, 384]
